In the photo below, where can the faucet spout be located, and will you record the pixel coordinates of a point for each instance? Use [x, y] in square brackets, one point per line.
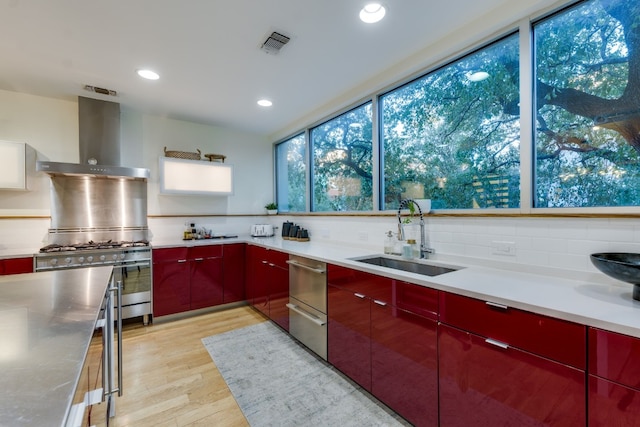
[406, 203]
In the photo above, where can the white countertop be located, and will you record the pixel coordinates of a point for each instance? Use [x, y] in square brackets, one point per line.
[47, 321]
[592, 299]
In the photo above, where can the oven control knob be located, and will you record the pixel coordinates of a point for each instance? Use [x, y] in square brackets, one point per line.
[54, 261]
[90, 258]
[115, 257]
[103, 257]
[68, 260]
[122, 256]
[81, 259]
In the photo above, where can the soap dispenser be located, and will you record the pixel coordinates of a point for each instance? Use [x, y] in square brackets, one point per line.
[389, 243]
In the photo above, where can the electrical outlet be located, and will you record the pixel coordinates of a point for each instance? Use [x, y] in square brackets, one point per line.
[500, 247]
[362, 236]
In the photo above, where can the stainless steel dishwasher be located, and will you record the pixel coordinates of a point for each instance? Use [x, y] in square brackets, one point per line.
[308, 303]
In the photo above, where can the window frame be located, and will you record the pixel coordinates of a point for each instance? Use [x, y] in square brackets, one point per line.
[524, 28]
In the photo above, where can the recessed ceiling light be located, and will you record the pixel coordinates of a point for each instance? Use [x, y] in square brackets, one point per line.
[148, 74]
[477, 76]
[372, 12]
[265, 103]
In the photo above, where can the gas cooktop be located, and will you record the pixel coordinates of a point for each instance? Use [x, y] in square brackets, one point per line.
[91, 245]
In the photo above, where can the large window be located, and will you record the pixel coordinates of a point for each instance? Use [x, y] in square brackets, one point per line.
[453, 135]
[342, 162]
[587, 92]
[291, 175]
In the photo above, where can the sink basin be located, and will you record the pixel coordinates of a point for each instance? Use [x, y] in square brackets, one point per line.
[405, 265]
[622, 266]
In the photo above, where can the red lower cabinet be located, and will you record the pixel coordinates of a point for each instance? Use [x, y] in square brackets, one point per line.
[388, 350]
[206, 282]
[404, 363]
[16, 265]
[233, 273]
[171, 287]
[485, 384]
[268, 283]
[349, 329]
[614, 379]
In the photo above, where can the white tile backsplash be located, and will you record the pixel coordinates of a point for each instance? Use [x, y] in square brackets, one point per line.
[554, 242]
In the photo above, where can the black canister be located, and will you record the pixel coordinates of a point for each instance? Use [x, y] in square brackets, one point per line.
[286, 227]
[293, 231]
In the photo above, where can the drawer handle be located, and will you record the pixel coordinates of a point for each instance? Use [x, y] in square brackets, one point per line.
[265, 262]
[381, 303]
[182, 260]
[306, 267]
[361, 296]
[199, 259]
[304, 314]
[497, 306]
[497, 343]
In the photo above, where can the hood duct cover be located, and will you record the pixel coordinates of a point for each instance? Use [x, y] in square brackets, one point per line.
[99, 138]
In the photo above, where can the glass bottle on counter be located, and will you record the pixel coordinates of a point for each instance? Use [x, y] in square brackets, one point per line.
[389, 243]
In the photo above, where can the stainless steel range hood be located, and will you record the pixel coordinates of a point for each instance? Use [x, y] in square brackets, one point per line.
[99, 137]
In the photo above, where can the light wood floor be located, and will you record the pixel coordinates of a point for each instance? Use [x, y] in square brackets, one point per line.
[169, 377]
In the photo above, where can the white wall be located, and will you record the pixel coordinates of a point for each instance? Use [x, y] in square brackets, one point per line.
[50, 127]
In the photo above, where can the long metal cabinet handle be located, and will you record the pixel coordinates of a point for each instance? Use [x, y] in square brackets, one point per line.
[382, 303]
[361, 296]
[306, 267]
[182, 260]
[306, 315]
[497, 343]
[119, 286]
[496, 305]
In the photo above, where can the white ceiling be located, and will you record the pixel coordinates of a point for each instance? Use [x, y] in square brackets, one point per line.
[207, 52]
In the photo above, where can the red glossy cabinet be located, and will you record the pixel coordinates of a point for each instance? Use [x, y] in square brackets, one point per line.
[16, 265]
[186, 278]
[382, 334]
[171, 284]
[205, 276]
[501, 366]
[233, 270]
[614, 379]
[268, 283]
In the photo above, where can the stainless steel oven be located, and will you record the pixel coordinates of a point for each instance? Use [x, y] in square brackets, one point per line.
[308, 303]
[131, 266]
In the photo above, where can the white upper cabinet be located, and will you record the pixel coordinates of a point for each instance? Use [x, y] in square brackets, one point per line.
[179, 176]
[13, 169]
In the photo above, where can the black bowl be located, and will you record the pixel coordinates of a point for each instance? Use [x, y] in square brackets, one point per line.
[619, 265]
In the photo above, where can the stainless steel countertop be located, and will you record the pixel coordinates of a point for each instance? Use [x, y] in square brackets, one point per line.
[47, 321]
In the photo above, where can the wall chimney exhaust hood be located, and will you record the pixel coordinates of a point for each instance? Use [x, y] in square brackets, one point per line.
[99, 128]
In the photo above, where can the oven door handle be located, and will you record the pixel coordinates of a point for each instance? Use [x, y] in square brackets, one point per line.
[136, 264]
[304, 314]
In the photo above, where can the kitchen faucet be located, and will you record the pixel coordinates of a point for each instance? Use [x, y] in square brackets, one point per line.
[424, 250]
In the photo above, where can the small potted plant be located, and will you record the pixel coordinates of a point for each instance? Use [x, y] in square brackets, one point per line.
[271, 208]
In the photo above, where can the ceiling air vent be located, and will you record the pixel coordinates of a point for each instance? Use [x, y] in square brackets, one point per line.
[274, 43]
[100, 90]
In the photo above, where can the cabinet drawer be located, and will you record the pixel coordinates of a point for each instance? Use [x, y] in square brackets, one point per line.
[170, 254]
[549, 337]
[611, 404]
[277, 258]
[370, 285]
[417, 299]
[17, 265]
[208, 251]
[615, 357]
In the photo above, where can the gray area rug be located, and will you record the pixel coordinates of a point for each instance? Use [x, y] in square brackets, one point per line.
[277, 382]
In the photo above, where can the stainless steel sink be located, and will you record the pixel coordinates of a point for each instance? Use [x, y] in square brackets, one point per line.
[418, 267]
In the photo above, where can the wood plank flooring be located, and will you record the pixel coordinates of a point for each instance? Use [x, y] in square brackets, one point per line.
[169, 377]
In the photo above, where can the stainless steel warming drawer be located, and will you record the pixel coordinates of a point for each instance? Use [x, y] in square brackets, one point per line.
[308, 303]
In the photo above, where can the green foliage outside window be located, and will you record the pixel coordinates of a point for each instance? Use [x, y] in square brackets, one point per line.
[342, 162]
[588, 106]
